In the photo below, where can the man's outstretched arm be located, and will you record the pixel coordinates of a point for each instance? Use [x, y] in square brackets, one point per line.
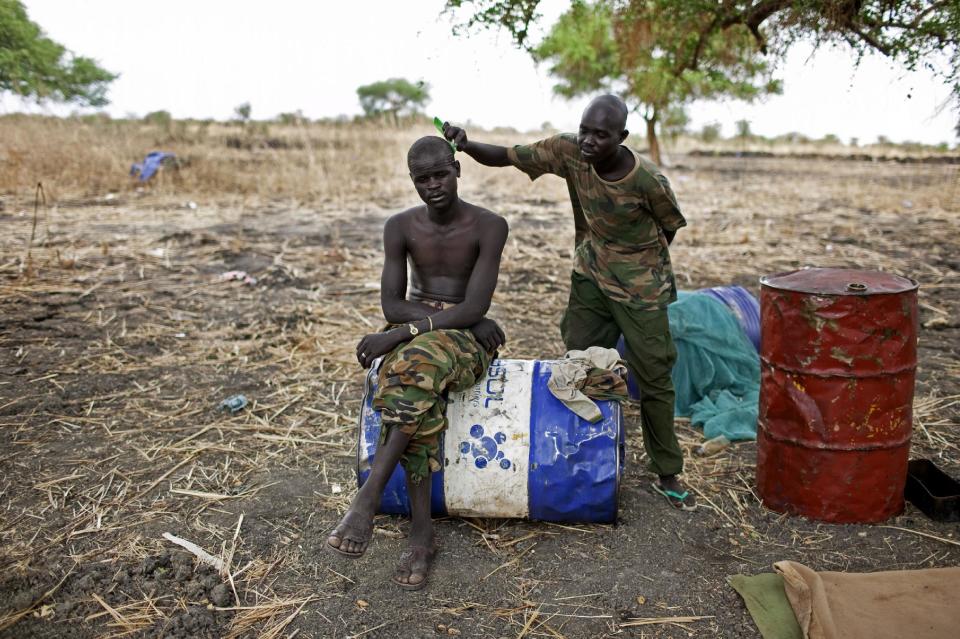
[486, 154]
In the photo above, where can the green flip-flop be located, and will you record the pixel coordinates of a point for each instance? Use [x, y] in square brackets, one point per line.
[675, 499]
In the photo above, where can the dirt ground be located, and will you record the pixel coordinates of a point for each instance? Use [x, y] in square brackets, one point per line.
[119, 340]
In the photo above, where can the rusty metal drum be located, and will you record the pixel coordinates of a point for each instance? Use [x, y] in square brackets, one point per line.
[838, 362]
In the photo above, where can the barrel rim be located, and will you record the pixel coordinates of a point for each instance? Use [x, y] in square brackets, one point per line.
[765, 281]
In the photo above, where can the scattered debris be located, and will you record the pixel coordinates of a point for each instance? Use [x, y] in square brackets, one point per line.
[241, 276]
[712, 446]
[234, 404]
[199, 552]
[154, 161]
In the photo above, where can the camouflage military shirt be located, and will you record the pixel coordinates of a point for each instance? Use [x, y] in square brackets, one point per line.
[624, 250]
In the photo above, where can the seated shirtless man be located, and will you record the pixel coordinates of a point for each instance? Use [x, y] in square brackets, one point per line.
[438, 342]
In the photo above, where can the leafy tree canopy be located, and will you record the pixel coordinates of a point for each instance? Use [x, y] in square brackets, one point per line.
[35, 67]
[394, 97]
[665, 53]
[632, 50]
[914, 32]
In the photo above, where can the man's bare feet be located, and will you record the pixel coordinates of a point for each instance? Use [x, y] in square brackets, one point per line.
[352, 535]
[678, 497]
[414, 567]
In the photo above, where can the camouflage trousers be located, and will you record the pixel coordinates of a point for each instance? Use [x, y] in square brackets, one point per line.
[413, 383]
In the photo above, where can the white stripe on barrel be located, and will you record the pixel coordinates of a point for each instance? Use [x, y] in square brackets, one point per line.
[487, 443]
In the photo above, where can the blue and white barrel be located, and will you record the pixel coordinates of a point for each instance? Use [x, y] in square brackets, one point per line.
[512, 450]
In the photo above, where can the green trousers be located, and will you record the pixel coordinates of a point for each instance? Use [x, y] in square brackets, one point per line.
[591, 319]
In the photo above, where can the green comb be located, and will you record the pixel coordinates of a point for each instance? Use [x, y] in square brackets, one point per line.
[437, 122]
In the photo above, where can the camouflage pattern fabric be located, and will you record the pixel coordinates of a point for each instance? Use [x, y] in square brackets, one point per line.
[620, 240]
[413, 383]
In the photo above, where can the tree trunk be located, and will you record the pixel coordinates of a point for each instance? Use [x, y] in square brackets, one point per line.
[652, 139]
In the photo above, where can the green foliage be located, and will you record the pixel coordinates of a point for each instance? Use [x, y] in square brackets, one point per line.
[643, 51]
[674, 122]
[710, 133]
[292, 119]
[913, 32]
[395, 97]
[159, 118]
[35, 67]
[242, 112]
[830, 138]
[742, 128]
[792, 138]
[581, 50]
[669, 52]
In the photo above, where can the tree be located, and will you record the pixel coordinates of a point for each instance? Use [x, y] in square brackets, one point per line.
[669, 52]
[242, 112]
[710, 133]
[393, 98]
[743, 129]
[35, 67]
[628, 48]
[674, 122]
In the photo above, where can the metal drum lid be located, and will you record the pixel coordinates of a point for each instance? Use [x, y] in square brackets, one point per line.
[839, 281]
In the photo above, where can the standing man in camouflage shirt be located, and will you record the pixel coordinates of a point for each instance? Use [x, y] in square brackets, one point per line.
[625, 216]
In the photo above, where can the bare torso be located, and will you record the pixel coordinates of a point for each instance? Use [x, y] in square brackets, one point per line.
[442, 256]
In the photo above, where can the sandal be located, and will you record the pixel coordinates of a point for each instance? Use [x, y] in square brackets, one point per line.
[675, 499]
[353, 532]
[406, 563]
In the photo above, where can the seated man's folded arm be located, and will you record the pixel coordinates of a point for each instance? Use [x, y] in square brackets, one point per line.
[483, 280]
[393, 281]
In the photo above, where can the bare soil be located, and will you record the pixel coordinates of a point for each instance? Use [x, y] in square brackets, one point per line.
[119, 340]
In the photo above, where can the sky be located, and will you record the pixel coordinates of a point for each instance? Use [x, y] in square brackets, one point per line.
[202, 59]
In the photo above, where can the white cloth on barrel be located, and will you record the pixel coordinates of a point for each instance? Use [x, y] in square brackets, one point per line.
[569, 376]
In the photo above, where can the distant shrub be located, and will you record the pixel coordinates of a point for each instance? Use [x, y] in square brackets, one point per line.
[792, 138]
[394, 98]
[674, 123]
[710, 132]
[242, 112]
[292, 119]
[100, 117]
[159, 118]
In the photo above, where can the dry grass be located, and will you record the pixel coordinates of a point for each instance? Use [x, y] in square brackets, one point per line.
[82, 159]
[120, 339]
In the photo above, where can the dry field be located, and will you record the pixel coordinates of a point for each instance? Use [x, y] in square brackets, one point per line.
[118, 340]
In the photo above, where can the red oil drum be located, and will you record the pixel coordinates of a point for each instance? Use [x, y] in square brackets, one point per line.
[838, 359]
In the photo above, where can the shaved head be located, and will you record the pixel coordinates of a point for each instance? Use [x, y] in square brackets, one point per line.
[611, 108]
[429, 152]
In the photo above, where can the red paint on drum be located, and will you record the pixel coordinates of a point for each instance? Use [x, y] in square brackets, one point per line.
[838, 360]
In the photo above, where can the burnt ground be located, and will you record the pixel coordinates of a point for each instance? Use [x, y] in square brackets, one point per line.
[119, 340]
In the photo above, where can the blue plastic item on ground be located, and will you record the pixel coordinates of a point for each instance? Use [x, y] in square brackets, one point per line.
[234, 404]
[743, 305]
[512, 449]
[150, 165]
[717, 373]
